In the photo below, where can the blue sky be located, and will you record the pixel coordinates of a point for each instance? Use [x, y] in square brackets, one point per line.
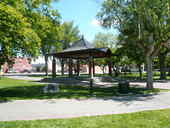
[83, 13]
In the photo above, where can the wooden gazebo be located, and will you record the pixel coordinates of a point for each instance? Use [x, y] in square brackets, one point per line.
[81, 49]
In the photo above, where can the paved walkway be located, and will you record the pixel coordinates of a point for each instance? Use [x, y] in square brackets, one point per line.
[24, 76]
[158, 84]
[64, 108]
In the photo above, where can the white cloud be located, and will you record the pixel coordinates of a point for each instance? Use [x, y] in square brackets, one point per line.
[95, 23]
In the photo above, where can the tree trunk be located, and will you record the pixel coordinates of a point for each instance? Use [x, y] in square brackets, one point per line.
[169, 71]
[54, 67]
[110, 67]
[149, 72]
[62, 67]
[162, 58]
[140, 71]
[78, 67]
[116, 71]
[90, 65]
[103, 68]
[0, 72]
[93, 67]
[70, 67]
[46, 65]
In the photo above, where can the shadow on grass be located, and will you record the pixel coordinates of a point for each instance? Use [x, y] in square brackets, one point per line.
[69, 92]
[35, 92]
[4, 100]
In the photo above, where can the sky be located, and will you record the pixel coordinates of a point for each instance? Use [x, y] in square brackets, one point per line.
[83, 13]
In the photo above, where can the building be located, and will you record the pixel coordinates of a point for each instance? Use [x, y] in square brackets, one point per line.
[20, 64]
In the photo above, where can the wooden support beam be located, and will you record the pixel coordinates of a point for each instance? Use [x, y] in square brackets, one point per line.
[93, 67]
[90, 67]
[78, 67]
[70, 67]
[53, 67]
[91, 73]
[62, 66]
[110, 67]
[46, 65]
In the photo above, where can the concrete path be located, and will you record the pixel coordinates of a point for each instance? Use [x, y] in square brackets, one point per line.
[64, 108]
[24, 76]
[158, 84]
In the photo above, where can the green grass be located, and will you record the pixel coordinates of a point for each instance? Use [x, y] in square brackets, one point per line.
[146, 119]
[11, 89]
[127, 76]
[135, 76]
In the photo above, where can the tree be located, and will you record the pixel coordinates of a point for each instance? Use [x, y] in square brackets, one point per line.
[104, 40]
[28, 4]
[17, 36]
[46, 24]
[70, 34]
[162, 62]
[42, 22]
[168, 63]
[128, 47]
[146, 20]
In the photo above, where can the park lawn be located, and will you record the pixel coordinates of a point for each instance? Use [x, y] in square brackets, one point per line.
[146, 119]
[135, 76]
[11, 89]
[127, 76]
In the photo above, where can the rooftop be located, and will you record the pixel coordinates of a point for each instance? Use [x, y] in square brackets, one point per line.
[82, 49]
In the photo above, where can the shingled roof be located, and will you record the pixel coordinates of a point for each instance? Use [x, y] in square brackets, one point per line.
[83, 49]
[80, 45]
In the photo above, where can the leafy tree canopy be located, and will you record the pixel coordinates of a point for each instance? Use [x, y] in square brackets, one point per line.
[16, 33]
[105, 40]
[70, 34]
[144, 21]
[26, 27]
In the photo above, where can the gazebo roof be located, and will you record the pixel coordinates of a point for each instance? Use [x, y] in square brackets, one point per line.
[82, 49]
[79, 45]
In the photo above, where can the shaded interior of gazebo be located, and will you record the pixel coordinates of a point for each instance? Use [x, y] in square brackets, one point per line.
[81, 49]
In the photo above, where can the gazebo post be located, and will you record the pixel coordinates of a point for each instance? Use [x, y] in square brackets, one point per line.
[46, 65]
[110, 67]
[78, 67]
[93, 67]
[70, 67]
[54, 67]
[90, 66]
[91, 73]
[62, 66]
